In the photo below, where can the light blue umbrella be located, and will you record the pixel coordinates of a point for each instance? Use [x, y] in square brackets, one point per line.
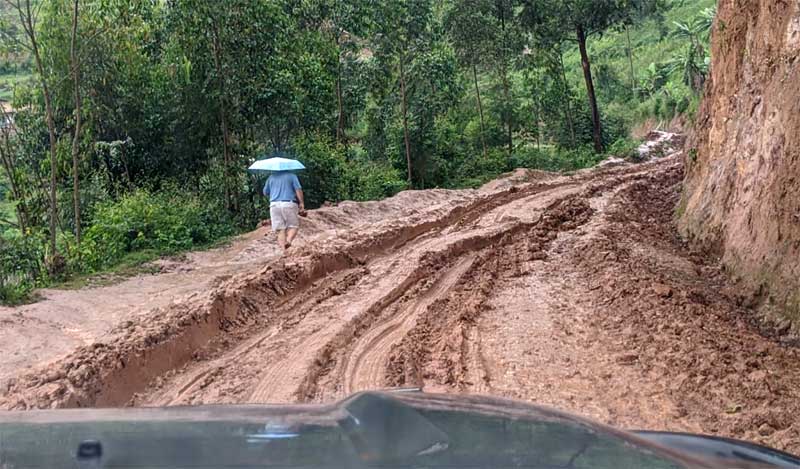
[277, 164]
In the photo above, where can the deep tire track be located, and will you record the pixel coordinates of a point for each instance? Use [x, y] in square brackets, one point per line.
[311, 363]
[290, 312]
[367, 361]
[572, 210]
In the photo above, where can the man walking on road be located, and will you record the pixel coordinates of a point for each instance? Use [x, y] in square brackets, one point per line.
[285, 205]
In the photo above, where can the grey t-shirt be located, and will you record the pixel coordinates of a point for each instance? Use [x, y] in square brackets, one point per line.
[281, 187]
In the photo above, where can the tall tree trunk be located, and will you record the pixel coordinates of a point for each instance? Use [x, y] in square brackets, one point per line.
[568, 99]
[538, 117]
[630, 61]
[26, 17]
[507, 109]
[340, 122]
[480, 109]
[504, 76]
[223, 118]
[226, 156]
[405, 117]
[597, 131]
[41, 188]
[76, 71]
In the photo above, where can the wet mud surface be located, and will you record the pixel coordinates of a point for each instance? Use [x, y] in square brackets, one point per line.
[569, 291]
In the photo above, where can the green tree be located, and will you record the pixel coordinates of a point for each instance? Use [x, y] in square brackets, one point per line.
[75, 65]
[641, 10]
[471, 27]
[211, 33]
[552, 99]
[346, 23]
[697, 29]
[434, 87]
[402, 34]
[507, 46]
[556, 21]
[265, 76]
[27, 14]
[690, 62]
[691, 68]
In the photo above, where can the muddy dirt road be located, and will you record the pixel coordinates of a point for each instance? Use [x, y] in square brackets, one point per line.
[569, 291]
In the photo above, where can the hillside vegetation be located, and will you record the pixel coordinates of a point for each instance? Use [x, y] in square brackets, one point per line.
[154, 110]
[663, 53]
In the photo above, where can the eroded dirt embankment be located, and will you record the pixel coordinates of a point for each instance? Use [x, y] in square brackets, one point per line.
[572, 291]
[742, 191]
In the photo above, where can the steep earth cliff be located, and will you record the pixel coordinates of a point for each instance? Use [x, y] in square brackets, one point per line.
[742, 188]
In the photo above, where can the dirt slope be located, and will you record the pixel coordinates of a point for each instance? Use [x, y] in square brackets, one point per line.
[742, 194]
[573, 291]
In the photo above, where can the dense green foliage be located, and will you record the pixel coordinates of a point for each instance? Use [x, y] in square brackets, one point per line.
[178, 97]
[168, 221]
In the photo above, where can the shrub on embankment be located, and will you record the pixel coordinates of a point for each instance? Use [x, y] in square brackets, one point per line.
[164, 222]
[137, 227]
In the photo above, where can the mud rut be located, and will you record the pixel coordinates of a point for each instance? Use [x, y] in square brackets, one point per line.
[568, 291]
[403, 318]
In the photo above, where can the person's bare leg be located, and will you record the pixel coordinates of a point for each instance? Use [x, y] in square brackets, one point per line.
[282, 239]
[291, 233]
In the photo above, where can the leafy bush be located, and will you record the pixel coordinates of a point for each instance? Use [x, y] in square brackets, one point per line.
[476, 170]
[613, 123]
[558, 159]
[614, 128]
[331, 177]
[326, 177]
[21, 265]
[372, 181]
[579, 158]
[624, 148]
[530, 157]
[165, 222]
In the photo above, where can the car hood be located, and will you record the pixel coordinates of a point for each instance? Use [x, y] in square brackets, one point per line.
[372, 429]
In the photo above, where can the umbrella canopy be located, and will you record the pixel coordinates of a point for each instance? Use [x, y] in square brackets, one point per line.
[277, 164]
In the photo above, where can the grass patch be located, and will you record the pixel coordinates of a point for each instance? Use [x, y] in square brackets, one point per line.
[132, 264]
[9, 81]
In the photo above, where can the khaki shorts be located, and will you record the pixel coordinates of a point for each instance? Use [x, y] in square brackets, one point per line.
[284, 215]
